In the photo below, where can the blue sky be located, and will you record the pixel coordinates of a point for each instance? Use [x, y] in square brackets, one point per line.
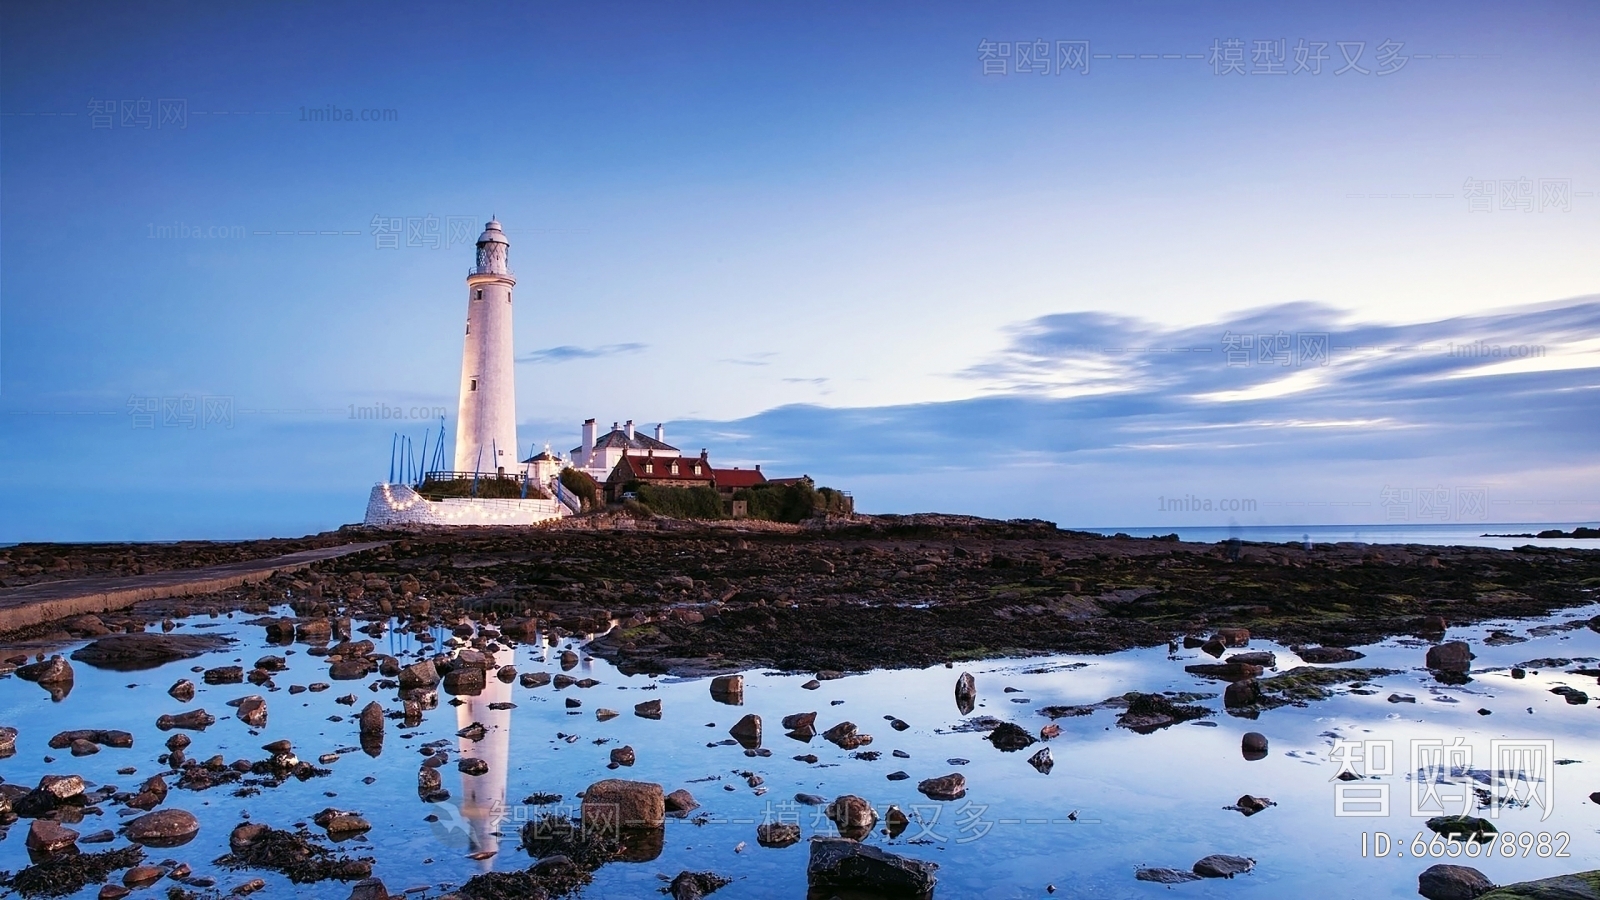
[815, 236]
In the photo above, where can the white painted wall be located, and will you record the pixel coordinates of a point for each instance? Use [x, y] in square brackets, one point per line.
[398, 504]
[486, 426]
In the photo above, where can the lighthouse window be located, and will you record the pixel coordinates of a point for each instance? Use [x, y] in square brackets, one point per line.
[480, 293]
[474, 384]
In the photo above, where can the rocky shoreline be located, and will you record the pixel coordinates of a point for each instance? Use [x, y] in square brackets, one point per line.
[854, 594]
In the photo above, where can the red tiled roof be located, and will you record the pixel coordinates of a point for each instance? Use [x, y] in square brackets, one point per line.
[659, 468]
[733, 479]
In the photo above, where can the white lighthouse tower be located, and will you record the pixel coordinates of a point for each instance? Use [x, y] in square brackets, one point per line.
[486, 429]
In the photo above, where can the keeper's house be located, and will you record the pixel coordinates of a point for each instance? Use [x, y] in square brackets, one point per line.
[660, 471]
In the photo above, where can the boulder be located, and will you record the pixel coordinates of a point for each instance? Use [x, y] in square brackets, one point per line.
[945, 787]
[54, 670]
[777, 834]
[194, 719]
[747, 731]
[649, 709]
[852, 815]
[182, 690]
[146, 649]
[369, 889]
[468, 680]
[1009, 737]
[1445, 882]
[966, 693]
[1161, 875]
[1253, 745]
[622, 756]
[1242, 694]
[49, 836]
[841, 864]
[421, 674]
[725, 685]
[1454, 657]
[1324, 655]
[680, 803]
[695, 885]
[372, 718]
[1233, 637]
[223, 675]
[253, 711]
[800, 721]
[617, 803]
[845, 736]
[1221, 865]
[163, 828]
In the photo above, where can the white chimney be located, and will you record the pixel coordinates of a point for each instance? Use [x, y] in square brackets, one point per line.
[661, 432]
[589, 429]
[629, 429]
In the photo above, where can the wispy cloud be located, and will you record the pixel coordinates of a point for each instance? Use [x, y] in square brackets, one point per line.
[805, 380]
[751, 359]
[1327, 409]
[568, 352]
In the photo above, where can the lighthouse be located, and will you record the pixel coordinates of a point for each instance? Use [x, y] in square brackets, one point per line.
[486, 427]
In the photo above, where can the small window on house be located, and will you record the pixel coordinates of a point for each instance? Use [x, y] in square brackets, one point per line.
[697, 470]
[674, 468]
[474, 384]
[649, 467]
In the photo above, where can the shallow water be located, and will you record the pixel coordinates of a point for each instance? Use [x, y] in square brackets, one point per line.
[1138, 800]
[1454, 534]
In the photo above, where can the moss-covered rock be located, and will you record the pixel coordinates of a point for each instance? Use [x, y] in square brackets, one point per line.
[1578, 886]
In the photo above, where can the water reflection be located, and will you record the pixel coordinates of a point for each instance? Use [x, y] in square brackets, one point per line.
[483, 797]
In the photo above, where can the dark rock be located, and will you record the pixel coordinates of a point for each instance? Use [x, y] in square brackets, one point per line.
[54, 670]
[622, 756]
[223, 675]
[616, 803]
[695, 885]
[372, 718]
[472, 766]
[163, 828]
[1242, 694]
[146, 649]
[680, 803]
[1253, 745]
[1445, 882]
[1325, 655]
[845, 736]
[852, 815]
[47, 836]
[1454, 657]
[945, 787]
[800, 721]
[1010, 737]
[1220, 865]
[194, 719]
[777, 834]
[252, 711]
[747, 731]
[838, 863]
[649, 709]
[1042, 761]
[966, 693]
[1165, 876]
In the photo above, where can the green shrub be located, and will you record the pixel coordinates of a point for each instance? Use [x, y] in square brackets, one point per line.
[679, 503]
[492, 487]
[792, 502]
[582, 486]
